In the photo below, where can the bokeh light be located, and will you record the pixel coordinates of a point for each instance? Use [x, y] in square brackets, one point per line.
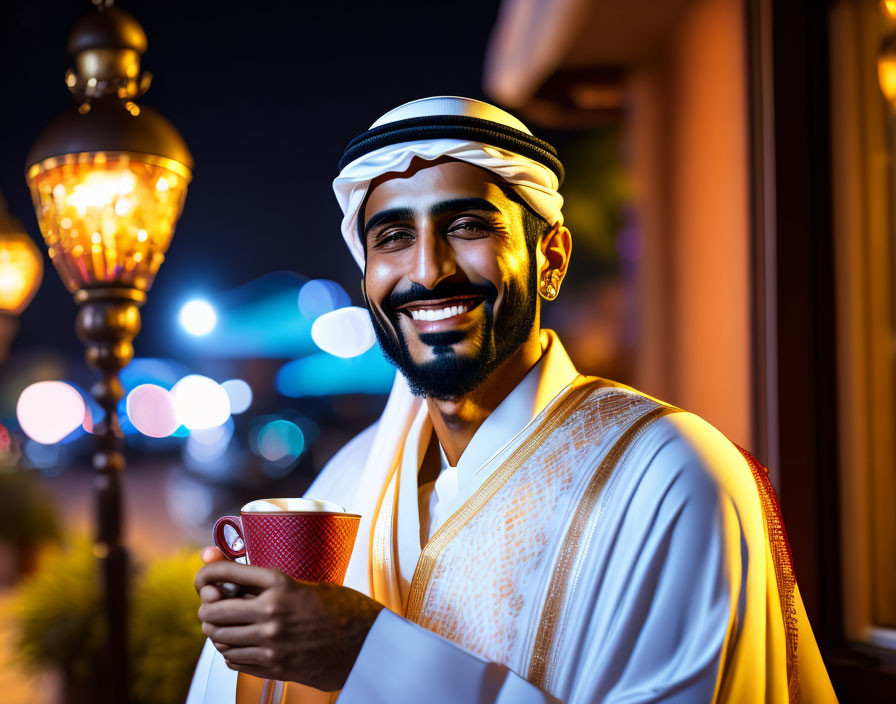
[198, 317]
[323, 374]
[44, 457]
[200, 402]
[239, 393]
[321, 296]
[346, 332]
[281, 443]
[49, 410]
[150, 410]
[189, 501]
[208, 444]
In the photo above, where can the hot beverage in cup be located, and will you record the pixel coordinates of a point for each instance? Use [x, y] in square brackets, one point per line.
[307, 539]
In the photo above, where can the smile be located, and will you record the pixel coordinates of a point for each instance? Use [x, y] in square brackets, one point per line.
[441, 313]
[433, 311]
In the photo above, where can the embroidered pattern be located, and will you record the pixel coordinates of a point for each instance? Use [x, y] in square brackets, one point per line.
[783, 560]
[558, 594]
[484, 589]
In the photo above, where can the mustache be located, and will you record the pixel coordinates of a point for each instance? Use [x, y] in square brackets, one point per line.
[418, 293]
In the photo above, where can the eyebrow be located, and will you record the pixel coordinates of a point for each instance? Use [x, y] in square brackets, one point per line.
[455, 205]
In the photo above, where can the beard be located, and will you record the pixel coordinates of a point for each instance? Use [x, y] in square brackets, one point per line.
[448, 375]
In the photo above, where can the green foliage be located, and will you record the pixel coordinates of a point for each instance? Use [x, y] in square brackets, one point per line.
[59, 613]
[27, 516]
[166, 634]
[61, 622]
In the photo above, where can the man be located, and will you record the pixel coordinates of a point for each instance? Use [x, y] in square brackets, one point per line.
[528, 534]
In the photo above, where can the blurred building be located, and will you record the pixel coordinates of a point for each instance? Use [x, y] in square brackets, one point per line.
[760, 147]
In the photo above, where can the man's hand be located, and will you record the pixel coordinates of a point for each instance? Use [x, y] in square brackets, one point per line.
[283, 629]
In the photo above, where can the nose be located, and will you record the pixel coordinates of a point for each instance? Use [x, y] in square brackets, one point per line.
[433, 258]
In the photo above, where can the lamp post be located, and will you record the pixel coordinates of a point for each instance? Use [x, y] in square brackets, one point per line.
[21, 271]
[108, 179]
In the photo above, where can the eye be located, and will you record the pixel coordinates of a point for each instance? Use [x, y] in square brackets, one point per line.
[391, 238]
[470, 228]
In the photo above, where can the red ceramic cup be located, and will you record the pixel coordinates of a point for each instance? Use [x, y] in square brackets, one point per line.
[308, 539]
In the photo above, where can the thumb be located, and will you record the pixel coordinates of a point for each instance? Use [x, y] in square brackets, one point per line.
[212, 554]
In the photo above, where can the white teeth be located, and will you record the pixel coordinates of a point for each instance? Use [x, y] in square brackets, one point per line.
[448, 312]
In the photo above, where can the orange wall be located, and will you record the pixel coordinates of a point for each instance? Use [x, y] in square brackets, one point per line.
[688, 146]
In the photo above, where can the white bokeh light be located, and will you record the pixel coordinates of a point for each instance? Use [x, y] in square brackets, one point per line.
[200, 402]
[150, 409]
[49, 410]
[198, 317]
[240, 394]
[346, 332]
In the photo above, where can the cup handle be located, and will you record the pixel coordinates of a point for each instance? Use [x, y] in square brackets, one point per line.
[221, 542]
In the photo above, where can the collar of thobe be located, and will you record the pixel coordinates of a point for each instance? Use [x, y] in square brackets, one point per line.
[399, 444]
[548, 377]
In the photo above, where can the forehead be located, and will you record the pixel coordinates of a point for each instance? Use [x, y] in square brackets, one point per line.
[428, 182]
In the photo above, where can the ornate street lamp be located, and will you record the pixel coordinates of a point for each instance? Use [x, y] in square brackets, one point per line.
[108, 179]
[21, 271]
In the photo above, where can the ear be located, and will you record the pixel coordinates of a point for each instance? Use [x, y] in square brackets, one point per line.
[554, 251]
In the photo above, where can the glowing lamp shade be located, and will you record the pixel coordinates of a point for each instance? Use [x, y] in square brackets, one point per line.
[49, 410]
[21, 270]
[108, 217]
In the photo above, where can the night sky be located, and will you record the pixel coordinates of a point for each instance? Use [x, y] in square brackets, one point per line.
[266, 96]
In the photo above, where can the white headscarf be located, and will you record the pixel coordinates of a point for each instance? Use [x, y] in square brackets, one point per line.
[533, 181]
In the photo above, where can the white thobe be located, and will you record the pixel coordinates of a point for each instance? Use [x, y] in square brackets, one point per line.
[665, 594]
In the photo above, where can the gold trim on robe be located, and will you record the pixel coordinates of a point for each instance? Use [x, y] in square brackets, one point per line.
[783, 560]
[510, 551]
[572, 545]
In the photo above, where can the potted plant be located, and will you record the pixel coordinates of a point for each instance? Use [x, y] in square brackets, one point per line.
[27, 520]
[61, 625]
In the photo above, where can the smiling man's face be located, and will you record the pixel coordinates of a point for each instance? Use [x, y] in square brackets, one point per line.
[449, 278]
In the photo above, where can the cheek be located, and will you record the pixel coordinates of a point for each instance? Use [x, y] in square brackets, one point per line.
[502, 266]
[380, 279]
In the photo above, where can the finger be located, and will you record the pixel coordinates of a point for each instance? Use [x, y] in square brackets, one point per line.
[210, 593]
[253, 635]
[227, 590]
[212, 554]
[260, 657]
[232, 612]
[243, 575]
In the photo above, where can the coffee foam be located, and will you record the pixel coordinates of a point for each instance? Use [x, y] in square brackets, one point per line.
[274, 505]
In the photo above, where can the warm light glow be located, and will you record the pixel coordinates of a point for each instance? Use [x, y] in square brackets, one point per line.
[150, 409]
[886, 75]
[21, 270]
[49, 410]
[890, 7]
[97, 211]
[200, 402]
[198, 317]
